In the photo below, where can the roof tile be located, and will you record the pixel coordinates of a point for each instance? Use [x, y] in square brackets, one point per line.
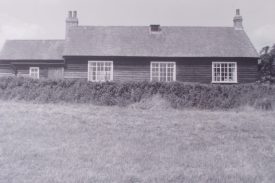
[32, 50]
[170, 42]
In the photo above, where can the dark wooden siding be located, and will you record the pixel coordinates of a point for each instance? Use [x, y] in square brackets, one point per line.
[24, 71]
[194, 71]
[247, 71]
[6, 70]
[124, 69]
[76, 69]
[138, 69]
[22, 67]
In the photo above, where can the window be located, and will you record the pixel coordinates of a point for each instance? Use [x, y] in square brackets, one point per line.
[163, 71]
[34, 72]
[100, 71]
[224, 72]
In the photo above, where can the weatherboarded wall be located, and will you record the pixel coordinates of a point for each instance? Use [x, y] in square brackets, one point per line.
[24, 71]
[47, 69]
[6, 70]
[138, 69]
[52, 69]
[50, 72]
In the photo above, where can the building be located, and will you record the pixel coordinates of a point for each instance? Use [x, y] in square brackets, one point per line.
[136, 53]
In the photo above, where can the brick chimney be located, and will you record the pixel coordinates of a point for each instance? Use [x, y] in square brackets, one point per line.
[71, 21]
[238, 20]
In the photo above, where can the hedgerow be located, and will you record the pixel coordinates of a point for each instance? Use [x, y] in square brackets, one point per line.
[178, 94]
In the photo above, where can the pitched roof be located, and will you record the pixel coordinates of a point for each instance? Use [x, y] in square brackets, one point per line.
[32, 50]
[135, 41]
[170, 42]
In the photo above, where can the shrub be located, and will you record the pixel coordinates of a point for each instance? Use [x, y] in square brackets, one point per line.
[264, 104]
[177, 94]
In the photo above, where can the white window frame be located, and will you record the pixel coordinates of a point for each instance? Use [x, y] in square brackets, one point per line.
[38, 72]
[155, 62]
[103, 61]
[235, 73]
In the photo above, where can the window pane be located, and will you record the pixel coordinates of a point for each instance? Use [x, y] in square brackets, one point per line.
[34, 72]
[155, 65]
[224, 72]
[100, 71]
[162, 71]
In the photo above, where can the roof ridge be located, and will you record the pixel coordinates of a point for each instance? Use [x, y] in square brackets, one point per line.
[142, 26]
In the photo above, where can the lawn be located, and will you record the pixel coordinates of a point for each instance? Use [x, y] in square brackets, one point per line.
[86, 143]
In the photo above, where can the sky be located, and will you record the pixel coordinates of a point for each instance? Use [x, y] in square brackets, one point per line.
[45, 19]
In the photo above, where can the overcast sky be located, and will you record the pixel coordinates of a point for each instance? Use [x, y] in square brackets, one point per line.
[45, 19]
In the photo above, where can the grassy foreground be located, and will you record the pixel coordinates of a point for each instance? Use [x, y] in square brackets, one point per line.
[86, 143]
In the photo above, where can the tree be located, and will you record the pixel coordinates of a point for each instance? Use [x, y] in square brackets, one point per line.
[267, 63]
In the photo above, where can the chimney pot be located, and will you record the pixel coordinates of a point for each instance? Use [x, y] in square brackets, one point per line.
[70, 14]
[238, 12]
[75, 14]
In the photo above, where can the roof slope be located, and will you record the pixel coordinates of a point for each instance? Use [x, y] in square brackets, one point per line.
[32, 50]
[170, 42]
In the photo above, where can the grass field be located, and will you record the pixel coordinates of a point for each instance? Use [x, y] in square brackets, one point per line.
[86, 143]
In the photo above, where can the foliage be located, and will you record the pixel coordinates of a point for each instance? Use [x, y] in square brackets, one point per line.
[178, 94]
[267, 62]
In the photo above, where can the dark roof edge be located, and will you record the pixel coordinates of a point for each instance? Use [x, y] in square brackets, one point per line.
[35, 40]
[142, 26]
[159, 56]
[12, 60]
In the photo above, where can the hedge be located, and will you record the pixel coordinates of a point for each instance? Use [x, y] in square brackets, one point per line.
[178, 94]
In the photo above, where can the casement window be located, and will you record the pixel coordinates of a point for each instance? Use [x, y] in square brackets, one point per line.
[163, 71]
[34, 72]
[224, 72]
[100, 71]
